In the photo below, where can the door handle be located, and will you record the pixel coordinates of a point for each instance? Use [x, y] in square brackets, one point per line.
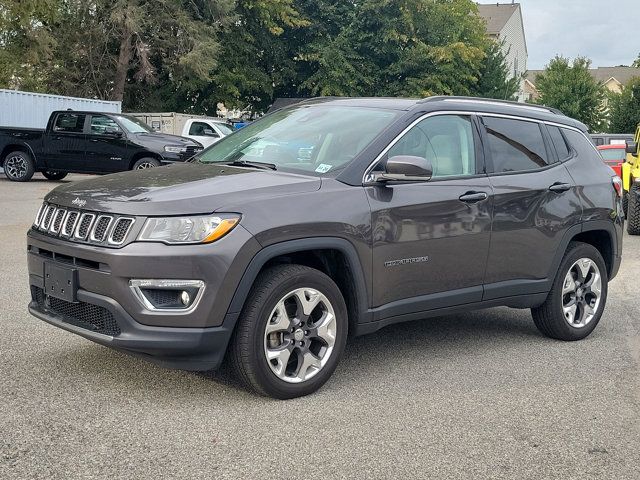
[473, 197]
[93, 140]
[560, 187]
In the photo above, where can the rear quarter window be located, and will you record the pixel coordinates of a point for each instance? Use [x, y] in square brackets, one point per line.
[560, 144]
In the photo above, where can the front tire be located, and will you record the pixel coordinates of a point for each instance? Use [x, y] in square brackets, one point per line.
[144, 163]
[578, 295]
[633, 216]
[19, 166]
[54, 175]
[291, 332]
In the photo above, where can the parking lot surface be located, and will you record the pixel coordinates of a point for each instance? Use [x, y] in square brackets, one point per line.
[478, 395]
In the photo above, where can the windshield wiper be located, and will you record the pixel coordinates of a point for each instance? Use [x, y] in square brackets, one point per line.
[247, 163]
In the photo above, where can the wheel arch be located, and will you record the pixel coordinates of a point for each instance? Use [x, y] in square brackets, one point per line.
[138, 155]
[336, 257]
[600, 234]
[12, 147]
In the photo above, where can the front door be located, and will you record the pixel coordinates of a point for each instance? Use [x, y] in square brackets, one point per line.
[431, 239]
[108, 149]
[65, 143]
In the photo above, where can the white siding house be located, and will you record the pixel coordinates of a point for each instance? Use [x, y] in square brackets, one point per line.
[504, 24]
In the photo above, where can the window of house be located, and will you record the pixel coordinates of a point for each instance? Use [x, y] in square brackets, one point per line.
[515, 145]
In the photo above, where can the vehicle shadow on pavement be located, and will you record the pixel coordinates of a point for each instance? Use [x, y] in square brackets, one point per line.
[438, 339]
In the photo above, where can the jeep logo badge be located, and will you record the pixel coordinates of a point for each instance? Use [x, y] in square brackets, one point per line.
[79, 202]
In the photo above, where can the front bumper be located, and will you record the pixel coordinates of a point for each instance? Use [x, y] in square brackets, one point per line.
[194, 340]
[183, 348]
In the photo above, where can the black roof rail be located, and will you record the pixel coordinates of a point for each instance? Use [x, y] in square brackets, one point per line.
[490, 100]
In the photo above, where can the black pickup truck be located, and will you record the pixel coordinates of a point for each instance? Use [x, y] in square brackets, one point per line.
[88, 142]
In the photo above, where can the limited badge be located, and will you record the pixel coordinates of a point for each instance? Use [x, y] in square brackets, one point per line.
[323, 168]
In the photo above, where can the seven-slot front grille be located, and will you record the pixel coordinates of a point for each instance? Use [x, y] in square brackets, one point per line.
[84, 227]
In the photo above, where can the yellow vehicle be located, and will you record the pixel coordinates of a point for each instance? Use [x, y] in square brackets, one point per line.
[631, 184]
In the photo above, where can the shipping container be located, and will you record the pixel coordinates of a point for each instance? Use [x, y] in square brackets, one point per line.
[32, 110]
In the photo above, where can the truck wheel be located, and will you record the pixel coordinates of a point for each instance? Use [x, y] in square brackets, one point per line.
[19, 166]
[54, 175]
[291, 332]
[577, 297]
[633, 213]
[144, 163]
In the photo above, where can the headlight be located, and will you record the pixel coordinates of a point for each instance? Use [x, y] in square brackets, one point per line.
[174, 149]
[185, 230]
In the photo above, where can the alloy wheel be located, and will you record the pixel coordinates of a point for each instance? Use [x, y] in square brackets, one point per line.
[581, 293]
[145, 165]
[300, 335]
[15, 166]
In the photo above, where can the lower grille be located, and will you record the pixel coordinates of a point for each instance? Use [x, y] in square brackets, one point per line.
[84, 315]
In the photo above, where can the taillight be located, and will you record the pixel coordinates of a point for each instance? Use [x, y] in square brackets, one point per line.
[617, 185]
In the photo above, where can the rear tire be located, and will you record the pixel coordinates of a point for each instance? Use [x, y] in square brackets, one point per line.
[54, 175]
[19, 166]
[578, 295]
[144, 163]
[633, 216]
[291, 332]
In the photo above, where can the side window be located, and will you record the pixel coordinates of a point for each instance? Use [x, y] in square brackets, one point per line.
[69, 122]
[101, 124]
[445, 140]
[580, 144]
[598, 141]
[515, 145]
[558, 142]
[202, 129]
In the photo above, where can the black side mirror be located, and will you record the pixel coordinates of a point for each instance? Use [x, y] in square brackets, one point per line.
[404, 168]
[114, 132]
[210, 133]
[632, 148]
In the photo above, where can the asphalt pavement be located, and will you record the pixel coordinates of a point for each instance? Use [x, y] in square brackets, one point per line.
[479, 395]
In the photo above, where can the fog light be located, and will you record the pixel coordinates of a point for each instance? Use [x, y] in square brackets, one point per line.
[185, 298]
[176, 296]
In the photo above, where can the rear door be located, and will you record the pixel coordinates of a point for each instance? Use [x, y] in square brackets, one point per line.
[431, 239]
[535, 203]
[108, 149]
[65, 142]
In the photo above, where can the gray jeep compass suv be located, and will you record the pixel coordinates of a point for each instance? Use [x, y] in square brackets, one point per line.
[334, 216]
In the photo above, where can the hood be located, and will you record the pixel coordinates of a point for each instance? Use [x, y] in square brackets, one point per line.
[179, 189]
[157, 141]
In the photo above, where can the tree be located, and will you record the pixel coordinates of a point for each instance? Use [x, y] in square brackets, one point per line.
[624, 108]
[571, 88]
[636, 62]
[495, 80]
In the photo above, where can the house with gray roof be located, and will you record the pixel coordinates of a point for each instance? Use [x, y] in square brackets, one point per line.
[504, 24]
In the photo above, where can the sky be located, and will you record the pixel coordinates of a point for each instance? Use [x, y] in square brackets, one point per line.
[604, 31]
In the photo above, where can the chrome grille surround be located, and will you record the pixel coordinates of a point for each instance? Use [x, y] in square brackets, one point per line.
[100, 228]
[83, 226]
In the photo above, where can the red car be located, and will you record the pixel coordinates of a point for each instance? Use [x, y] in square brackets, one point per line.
[613, 156]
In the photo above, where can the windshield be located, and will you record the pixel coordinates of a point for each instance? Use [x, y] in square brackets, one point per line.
[132, 124]
[313, 138]
[613, 154]
[224, 128]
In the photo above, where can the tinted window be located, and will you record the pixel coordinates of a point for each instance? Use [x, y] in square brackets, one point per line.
[580, 144]
[515, 145]
[69, 122]
[558, 141]
[445, 140]
[100, 124]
